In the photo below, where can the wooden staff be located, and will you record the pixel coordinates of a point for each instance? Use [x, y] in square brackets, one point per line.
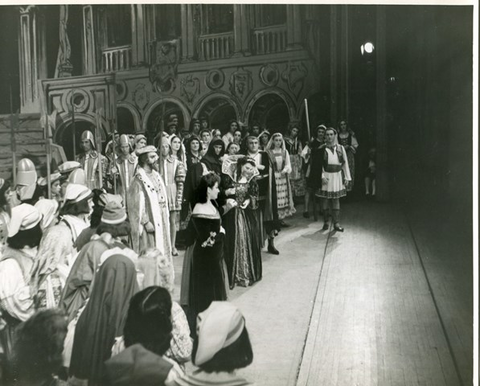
[73, 125]
[13, 145]
[114, 156]
[307, 119]
[98, 140]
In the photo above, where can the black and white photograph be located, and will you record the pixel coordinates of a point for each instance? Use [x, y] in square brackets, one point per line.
[164, 165]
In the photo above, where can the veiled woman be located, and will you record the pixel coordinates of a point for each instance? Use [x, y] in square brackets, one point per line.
[213, 159]
[103, 318]
[280, 159]
[243, 245]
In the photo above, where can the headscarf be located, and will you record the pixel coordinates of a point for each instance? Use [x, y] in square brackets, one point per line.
[271, 146]
[220, 325]
[103, 318]
[211, 159]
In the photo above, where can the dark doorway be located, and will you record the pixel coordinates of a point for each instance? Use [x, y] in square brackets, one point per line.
[125, 122]
[271, 112]
[219, 112]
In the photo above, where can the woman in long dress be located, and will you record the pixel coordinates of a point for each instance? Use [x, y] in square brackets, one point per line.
[173, 173]
[294, 147]
[204, 280]
[280, 159]
[243, 244]
[347, 139]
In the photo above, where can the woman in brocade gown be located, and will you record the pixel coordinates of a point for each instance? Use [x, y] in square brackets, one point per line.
[205, 281]
[294, 147]
[281, 163]
[243, 246]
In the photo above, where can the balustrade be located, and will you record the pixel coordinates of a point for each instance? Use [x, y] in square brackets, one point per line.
[268, 40]
[217, 46]
[117, 59]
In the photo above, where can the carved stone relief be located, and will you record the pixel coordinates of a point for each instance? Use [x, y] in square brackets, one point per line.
[163, 72]
[141, 96]
[215, 79]
[190, 87]
[295, 75]
[269, 75]
[241, 83]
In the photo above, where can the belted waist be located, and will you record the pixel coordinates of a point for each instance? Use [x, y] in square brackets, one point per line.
[332, 168]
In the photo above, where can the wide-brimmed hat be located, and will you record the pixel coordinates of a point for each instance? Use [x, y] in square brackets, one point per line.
[68, 167]
[42, 181]
[24, 216]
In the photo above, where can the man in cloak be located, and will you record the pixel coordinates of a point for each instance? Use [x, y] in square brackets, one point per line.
[148, 206]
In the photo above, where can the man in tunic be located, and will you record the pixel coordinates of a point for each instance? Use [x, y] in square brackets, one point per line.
[267, 194]
[148, 206]
[124, 167]
[89, 160]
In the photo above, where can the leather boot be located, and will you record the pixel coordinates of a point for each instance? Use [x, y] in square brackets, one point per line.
[271, 247]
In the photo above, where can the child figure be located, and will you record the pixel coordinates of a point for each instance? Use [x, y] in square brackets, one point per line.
[370, 172]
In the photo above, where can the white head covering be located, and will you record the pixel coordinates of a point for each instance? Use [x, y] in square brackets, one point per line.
[24, 216]
[76, 192]
[48, 210]
[270, 144]
[220, 325]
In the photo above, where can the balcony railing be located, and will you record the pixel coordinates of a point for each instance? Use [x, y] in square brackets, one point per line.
[217, 46]
[117, 58]
[268, 40]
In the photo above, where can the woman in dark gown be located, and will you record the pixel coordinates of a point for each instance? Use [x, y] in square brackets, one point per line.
[205, 281]
[213, 159]
[243, 244]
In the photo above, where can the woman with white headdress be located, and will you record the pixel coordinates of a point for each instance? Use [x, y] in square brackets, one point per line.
[16, 266]
[173, 173]
[280, 159]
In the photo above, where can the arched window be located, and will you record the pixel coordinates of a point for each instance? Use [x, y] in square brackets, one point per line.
[167, 21]
[119, 21]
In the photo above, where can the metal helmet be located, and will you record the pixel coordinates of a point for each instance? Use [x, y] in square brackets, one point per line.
[26, 179]
[87, 134]
[26, 172]
[77, 177]
[124, 140]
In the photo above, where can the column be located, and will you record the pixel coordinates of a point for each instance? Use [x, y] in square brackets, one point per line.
[139, 43]
[89, 53]
[241, 30]
[333, 63]
[294, 28]
[188, 32]
[32, 56]
[382, 133]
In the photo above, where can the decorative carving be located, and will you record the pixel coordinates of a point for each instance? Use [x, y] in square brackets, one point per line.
[190, 87]
[121, 90]
[215, 79]
[295, 75]
[141, 96]
[163, 73]
[241, 83]
[269, 75]
[81, 100]
[64, 66]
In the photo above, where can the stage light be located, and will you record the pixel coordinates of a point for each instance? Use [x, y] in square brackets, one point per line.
[367, 48]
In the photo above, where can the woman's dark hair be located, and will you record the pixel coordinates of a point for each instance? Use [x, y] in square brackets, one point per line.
[243, 161]
[98, 208]
[230, 124]
[230, 145]
[236, 356]
[39, 345]
[189, 143]
[207, 181]
[3, 190]
[149, 320]
[118, 230]
[29, 237]
[76, 208]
